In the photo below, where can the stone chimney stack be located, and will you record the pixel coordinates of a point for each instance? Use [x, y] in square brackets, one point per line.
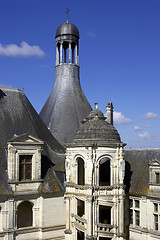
[109, 109]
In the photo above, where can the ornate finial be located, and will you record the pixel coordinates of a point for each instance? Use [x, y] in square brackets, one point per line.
[67, 13]
[96, 105]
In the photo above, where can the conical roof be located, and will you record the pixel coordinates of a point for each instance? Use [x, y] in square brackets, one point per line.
[95, 129]
[65, 109]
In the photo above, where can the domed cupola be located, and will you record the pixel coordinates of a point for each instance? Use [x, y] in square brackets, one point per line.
[67, 29]
[95, 129]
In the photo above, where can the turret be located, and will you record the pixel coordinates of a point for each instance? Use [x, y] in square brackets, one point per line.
[67, 105]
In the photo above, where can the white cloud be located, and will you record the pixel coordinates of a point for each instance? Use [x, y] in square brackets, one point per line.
[150, 115]
[119, 118]
[24, 50]
[144, 136]
[136, 128]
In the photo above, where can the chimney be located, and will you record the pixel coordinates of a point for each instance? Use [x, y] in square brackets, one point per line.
[109, 109]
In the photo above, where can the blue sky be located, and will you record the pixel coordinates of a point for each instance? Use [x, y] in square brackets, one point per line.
[119, 57]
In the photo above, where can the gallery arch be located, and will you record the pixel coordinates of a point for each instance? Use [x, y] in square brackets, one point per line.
[104, 172]
[25, 214]
[81, 171]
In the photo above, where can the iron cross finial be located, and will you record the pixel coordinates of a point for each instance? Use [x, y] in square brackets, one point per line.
[67, 13]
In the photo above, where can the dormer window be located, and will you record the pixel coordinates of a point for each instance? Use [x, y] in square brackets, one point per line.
[154, 170]
[24, 162]
[25, 167]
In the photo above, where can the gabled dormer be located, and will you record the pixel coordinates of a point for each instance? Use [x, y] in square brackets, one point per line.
[154, 172]
[24, 162]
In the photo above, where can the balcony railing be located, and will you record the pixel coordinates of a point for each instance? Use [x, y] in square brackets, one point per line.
[105, 228]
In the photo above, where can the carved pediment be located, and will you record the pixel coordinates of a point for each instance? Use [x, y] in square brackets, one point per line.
[154, 162]
[25, 139]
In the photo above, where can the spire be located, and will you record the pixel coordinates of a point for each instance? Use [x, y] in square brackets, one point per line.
[67, 105]
[68, 10]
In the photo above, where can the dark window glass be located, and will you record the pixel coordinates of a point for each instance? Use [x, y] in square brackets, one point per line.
[25, 167]
[156, 222]
[104, 172]
[131, 216]
[137, 203]
[80, 208]
[137, 218]
[81, 172]
[157, 177]
[130, 203]
[155, 207]
[104, 214]
[80, 235]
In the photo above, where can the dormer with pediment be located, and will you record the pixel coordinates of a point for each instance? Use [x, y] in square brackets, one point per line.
[24, 162]
[154, 172]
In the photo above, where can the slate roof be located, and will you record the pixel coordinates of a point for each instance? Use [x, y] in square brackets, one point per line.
[95, 129]
[17, 116]
[137, 169]
[65, 108]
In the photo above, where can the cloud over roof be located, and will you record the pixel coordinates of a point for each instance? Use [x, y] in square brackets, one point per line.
[119, 118]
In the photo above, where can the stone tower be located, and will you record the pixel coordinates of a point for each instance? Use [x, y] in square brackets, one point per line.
[67, 105]
[95, 193]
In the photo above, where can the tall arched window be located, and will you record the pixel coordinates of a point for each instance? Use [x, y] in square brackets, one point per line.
[104, 172]
[24, 215]
[80, 172]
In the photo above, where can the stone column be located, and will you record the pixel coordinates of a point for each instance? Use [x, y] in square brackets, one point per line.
[69, 52]
[61, 53]
[73, 60]
[11, 163]
[89, 213]
[57, 55]
[77, 54]
[76, 62]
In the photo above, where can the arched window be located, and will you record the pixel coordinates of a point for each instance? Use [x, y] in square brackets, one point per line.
[65, 52]
[104, 172]
[24, 215]
[80, 172]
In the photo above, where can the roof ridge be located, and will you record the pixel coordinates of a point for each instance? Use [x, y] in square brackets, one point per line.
[11, 89]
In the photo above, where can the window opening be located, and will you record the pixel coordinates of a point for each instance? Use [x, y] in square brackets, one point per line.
[24, 215]
[156, 216]
[80, 235]
[73, 52]
[25, 167]
[80, 208]
[65, 52]
[137, 218]
[104, 172]
[134, 212]
[157, 177]
[81, 172]
[104, 214]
